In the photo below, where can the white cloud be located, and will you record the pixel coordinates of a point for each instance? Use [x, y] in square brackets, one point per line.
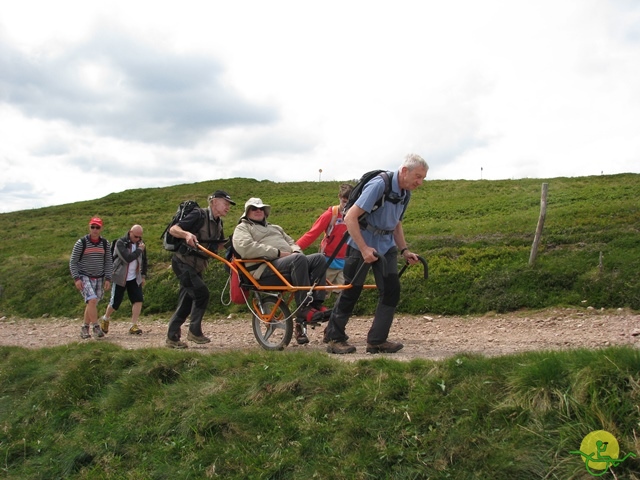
[498, 89]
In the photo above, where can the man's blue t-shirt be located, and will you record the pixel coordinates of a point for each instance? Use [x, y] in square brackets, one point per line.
[384, 218]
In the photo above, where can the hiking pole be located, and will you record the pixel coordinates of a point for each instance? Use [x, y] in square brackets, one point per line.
[425, 267]
[383, 262]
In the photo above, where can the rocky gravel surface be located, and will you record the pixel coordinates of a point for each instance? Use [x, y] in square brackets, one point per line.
[425, 336]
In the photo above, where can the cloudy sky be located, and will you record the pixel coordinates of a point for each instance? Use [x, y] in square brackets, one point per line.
[101, 97]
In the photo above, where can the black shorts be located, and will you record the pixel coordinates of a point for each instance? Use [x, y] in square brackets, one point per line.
[134, 292]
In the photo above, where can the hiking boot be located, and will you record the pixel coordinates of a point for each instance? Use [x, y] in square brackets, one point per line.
[198, 339]
[175, 343]
[84, 331]
[104, 324]
[340, 348]
[301, 337]
[135, 330]
[97, 331]
[326, 339]
[386, 347]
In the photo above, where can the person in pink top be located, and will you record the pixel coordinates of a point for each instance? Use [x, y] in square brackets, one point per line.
[331, 223]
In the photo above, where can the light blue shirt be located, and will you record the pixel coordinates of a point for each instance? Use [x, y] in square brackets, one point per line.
[385, 217]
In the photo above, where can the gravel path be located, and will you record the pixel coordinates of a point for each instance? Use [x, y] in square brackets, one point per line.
[427, 336]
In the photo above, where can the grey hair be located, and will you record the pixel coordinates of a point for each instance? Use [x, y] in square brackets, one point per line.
[412, 161]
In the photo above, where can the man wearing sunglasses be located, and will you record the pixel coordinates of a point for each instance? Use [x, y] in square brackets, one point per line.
[204, 226]
[91, 267]
[129, 275]
[255, 237]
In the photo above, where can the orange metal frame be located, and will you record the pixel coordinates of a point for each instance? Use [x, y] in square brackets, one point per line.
[238, 265]
[283, 294]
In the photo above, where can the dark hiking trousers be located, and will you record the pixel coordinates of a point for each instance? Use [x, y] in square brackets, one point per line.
[192, 300]
[388, 297]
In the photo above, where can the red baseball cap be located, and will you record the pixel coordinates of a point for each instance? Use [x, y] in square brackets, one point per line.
[96, 221]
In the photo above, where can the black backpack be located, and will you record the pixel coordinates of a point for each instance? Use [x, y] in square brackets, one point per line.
[113, 248]
[169, 242]
[386, 196]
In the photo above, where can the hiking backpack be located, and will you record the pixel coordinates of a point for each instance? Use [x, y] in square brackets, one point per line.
[169, 242]
[357, 191]
[113, 248]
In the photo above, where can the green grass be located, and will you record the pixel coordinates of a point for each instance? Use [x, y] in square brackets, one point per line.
[99, 411]
[476, 236]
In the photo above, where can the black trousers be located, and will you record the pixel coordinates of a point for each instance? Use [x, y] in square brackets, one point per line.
[388, 296]
[300, 270]
[193, 300]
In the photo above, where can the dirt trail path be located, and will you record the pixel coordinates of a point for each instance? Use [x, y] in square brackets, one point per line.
[427, 336]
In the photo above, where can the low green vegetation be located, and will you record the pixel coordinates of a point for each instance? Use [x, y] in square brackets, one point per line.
[96, 411]
[476, 235]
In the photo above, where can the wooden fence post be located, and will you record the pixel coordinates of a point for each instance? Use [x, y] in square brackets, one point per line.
[543, 213]
[600, 264]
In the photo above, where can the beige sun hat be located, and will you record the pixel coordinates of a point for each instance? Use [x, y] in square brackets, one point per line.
[256, 202]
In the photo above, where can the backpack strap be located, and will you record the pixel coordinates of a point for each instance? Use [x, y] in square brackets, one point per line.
[334, 218]
[84, 245]
[387, 177]
[332, 223]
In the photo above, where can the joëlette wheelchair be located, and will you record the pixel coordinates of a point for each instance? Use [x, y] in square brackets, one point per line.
[270, 306]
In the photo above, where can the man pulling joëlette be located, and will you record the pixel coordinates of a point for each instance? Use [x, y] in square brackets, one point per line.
[382, 235]
[204, 226]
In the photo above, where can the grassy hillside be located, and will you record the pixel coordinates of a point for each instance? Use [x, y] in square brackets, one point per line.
[96, 411]
[476, 236]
